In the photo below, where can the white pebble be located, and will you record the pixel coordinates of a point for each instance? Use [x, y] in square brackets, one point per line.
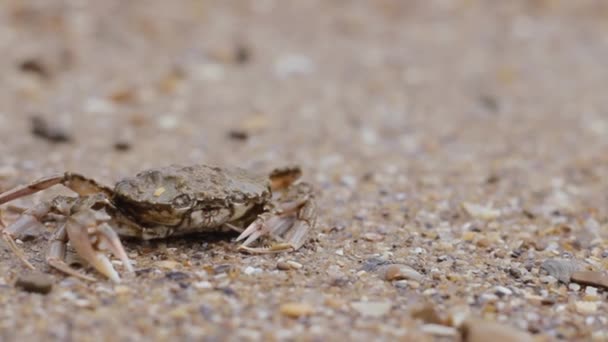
[201, 285]
[167, 122]
[503, 290]
[249, 270]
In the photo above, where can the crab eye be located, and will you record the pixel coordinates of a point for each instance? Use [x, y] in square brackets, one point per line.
[181, 201]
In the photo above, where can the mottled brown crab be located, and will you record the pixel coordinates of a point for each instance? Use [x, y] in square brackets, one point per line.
[164, 202]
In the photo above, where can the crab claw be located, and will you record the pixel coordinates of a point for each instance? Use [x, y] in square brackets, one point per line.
[88, 238]
[274, 226]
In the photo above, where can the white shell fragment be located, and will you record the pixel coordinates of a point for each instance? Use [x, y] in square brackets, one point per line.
[561, 269]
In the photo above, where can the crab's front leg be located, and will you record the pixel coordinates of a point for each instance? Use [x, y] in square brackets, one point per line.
[90, 234]
[289, 222]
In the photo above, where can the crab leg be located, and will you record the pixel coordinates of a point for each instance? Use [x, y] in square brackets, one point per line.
[88, 239]
[56, 254]
[75, 182]
[30, 219]
[290, 224]
[284, 177]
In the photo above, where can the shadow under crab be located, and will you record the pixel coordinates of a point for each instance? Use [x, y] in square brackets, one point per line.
[164, 202]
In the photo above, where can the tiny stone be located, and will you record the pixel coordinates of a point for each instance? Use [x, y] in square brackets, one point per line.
[296, 310]
[503, 291]
[548, 280]
[401, 284]
[288, 265]
[515, 273]
[293, 264]
[236, 134]
[590, 278]
[249, 270]
[372, 309]
[399, 272]
[476, 330]
[586, 308]
[121, 290]
[35, 282]
[51, 131]
[419, 250]
[168, 122]
[591, 291]
[439, 330]
[168, 264]
[574, 287]
[123, 142]
[202, 285]
[177, 276]
[373, 237]
[283, 266]
[481, 212]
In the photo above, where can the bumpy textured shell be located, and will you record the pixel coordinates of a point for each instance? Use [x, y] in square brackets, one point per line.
[162, 196]
[201, 183]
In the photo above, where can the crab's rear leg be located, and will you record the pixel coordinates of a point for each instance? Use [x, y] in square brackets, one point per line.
[76, 182]
[30, 219]
[290, 222]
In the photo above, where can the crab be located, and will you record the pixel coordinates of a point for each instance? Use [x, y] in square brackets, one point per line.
[163, 202]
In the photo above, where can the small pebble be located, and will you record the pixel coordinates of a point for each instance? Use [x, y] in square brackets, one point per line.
[121, 290]
[590, 278]
[202, 285]
[35, 282]
[399, 272]
[585, 307]
[502, 291]
[372, 309]
[249, 270]
[168, 122]
[481, 212]
[288, 265]
[374, 237]
[476, 330]
[239, 135]
[591, 291]
[439, 330]
[168, 264]
[35, 66]
[177, 275]
[296, 310]
[52, 132]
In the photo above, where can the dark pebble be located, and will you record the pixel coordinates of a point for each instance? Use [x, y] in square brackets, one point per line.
[177, 276]
[35, 282]
[51, 132]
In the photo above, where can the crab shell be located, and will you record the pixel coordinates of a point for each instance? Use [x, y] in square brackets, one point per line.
[188, 199]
